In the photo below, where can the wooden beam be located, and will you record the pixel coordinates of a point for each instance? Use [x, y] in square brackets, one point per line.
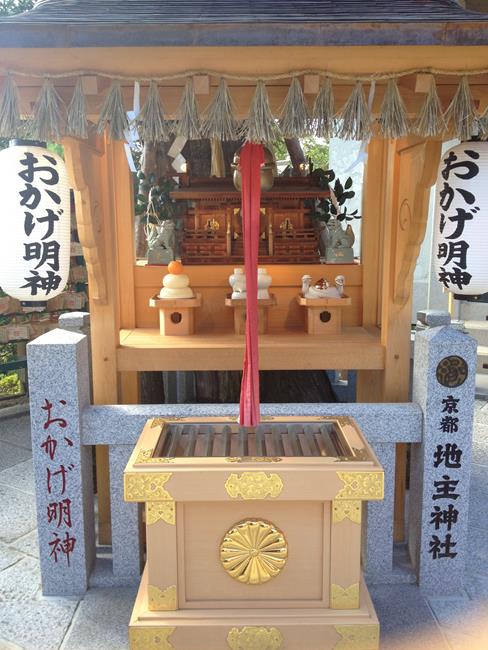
[412, 167]
[91, 167]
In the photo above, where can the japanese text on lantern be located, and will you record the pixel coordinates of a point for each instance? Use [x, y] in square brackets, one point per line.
[40, 179]
[453, 250]
[58, 509]
[447, 458]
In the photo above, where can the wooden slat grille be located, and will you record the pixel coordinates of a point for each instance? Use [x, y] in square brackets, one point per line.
[266, 440]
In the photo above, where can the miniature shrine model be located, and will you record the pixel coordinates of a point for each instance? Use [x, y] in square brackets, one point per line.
[213, 226]
[253, 536]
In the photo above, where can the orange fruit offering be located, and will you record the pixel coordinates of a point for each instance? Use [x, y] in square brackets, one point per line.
[175, 268]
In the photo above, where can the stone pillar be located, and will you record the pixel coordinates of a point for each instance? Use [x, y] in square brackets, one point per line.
[444, 387]
[59, 391]
[378, 526]
[125, 520]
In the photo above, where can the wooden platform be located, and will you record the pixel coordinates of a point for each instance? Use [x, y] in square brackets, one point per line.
[356, 348]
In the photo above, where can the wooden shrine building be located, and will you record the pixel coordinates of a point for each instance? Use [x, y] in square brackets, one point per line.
[171, 41]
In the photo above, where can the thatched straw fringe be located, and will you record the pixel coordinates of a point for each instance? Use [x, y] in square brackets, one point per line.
[154, 127]
[77, 122]
[294, 115]
[260, 126]
[393, 119]
[431, 120]
[355, 116]
[188, 123]
[324, 123]
[461, 115]
[48, 114]
[219, 121]
[113, 114]
[9, 109]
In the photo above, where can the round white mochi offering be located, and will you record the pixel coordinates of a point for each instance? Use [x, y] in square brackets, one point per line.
[176, 284]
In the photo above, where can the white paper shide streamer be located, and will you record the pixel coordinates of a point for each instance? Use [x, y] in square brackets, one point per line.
[35, 226]
[461, 224]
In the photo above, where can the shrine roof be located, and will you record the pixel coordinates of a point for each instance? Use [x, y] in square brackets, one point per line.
[91, 23]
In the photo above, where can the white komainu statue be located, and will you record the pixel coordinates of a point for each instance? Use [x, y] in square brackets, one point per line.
[161, 241]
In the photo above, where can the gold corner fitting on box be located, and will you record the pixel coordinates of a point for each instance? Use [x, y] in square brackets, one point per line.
[253, 485]
[162, 600]
[346, 510]
[344, 598]
[358, 637]
[146, 486]
[160, 511]
[255, 637]
[367, 486]
[151, 638]
[146, 456]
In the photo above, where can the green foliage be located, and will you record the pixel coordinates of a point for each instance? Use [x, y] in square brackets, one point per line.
[10, 7]
[10, 385]
[153, 201]
[315, 150]
[325, 209]
[56, 148]
[7, 352]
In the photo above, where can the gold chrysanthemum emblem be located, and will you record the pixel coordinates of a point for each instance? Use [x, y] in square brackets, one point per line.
[253, 551]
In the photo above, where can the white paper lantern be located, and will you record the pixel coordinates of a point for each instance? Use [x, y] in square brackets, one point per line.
[35, 223]
[461, 219]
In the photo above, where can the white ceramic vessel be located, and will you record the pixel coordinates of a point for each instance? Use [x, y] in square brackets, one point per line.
[264, 283]
[238, 283]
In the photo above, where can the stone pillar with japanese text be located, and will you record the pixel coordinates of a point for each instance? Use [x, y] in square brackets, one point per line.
[444, 387]
[59, 388]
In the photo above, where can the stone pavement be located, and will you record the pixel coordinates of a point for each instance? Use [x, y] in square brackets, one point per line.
[28, 621]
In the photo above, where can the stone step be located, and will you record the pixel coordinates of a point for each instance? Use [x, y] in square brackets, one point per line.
[473, 310]
[482, 366]
[481, 386]
[478, 329]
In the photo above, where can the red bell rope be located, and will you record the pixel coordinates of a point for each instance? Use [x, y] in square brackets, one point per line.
[251, 161]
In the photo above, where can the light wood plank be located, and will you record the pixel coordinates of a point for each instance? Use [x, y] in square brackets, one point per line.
[145, 349]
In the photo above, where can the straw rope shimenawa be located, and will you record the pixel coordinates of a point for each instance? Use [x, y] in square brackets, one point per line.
[324, 122]
[113, 113]
[431, 120]
[294, 117]
[9, 109]
[355, 116]
[48, 118]
[260, 126]
[154, 127]
[354, 120]
[461, 115]
[219, 122]
[77, 122]
[188, 123]
[394, 118]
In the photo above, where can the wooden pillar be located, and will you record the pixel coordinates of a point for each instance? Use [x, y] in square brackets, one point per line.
[123, 200]
[402, 173]
[91, 165]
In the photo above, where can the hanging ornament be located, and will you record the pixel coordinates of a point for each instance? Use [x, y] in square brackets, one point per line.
[36, 223]
[113, 114]
[461, 223]
[324, 123]
[294, 117]
[9, 108]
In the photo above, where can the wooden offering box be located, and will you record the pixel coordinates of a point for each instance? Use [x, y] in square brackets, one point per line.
[324, 315]
[176, 317]
[253, 536]
[239, 306]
